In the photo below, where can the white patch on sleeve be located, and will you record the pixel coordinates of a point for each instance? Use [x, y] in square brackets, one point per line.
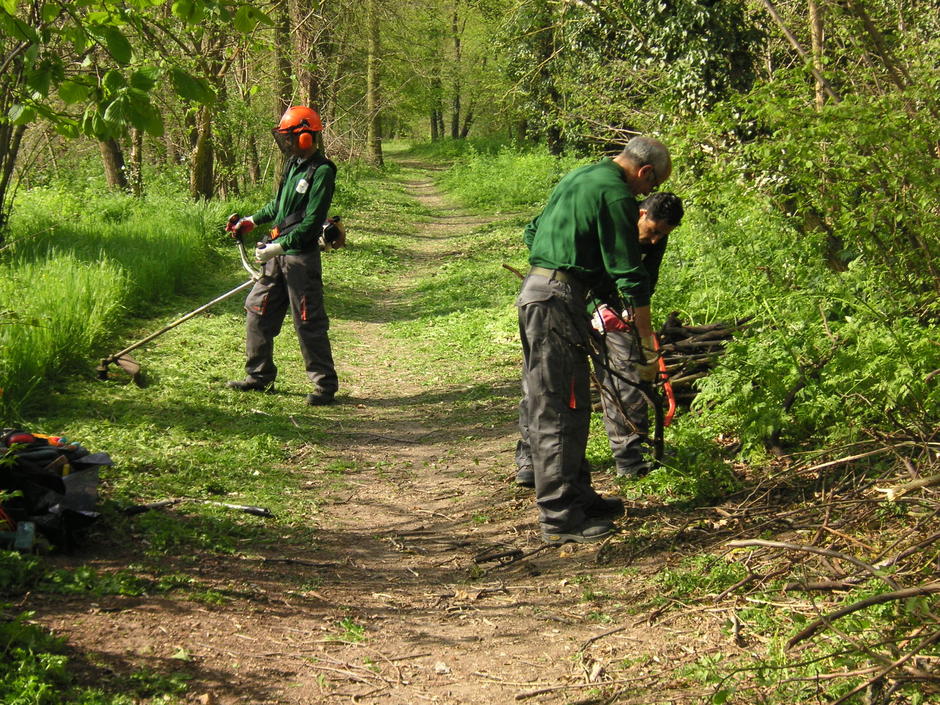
[302, 186]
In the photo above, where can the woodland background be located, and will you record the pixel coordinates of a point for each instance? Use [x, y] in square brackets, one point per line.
[804, 137]
[805, 147]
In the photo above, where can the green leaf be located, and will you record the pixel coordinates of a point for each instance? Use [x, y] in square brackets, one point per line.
[40, 79]
[8, 6]
[145, 79]
[21, 114]
[190, 11]
[49, 11]
[142, 114]
[67, 128]
[118, 46]
[113, 81]
[248, 17]
[192, 88]
[151, 122]
[115, 113]
[17, 29]
[244, 22]
[73, 92]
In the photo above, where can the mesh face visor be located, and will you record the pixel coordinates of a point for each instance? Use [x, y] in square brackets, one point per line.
[284, 140]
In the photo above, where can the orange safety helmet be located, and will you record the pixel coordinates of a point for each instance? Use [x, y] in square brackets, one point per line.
[301, 121]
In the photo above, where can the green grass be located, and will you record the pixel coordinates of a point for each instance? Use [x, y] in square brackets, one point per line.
[185, 435]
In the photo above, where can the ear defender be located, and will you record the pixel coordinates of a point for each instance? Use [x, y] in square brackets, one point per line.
[305, 140]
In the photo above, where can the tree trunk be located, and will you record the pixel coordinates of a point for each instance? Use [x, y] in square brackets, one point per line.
[455, 105]
[114, 168]
[898, 73]
[226, 177]
[284, 87]
[794, 42]
[816, 37]
[549, 96]
[437, 108]
[373, 86]
[201, 176]
[137, 163]
[306, 17]
[467, 122]
[254, 163]
[10, 138]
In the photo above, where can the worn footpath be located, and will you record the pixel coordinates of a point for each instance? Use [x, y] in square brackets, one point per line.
[426, 582]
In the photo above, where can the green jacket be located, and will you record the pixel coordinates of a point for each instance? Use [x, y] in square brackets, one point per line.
[589, 228]
[295, 195]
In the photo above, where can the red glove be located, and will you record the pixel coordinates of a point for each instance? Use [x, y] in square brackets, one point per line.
[237, 226]
[610, 320]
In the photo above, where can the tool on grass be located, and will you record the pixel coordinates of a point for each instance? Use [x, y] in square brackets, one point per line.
[127, 363]
[248, 509]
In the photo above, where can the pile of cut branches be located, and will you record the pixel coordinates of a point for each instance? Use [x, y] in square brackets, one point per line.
[855, 565]
[691, 351]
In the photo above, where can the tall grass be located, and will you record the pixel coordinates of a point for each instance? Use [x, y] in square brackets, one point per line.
[859, 358]
[506, 179]
[72, 269]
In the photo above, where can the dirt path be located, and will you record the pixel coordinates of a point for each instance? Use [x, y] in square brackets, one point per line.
[393, 604]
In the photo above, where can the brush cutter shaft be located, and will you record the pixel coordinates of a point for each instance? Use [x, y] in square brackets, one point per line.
[253, 272]
[191, 314]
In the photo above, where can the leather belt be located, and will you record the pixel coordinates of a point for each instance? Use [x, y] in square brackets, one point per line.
[556, 274]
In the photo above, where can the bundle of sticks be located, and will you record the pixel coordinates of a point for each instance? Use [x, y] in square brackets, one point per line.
[691, 351]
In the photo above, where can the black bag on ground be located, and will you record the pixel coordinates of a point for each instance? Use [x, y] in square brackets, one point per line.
[51, 482]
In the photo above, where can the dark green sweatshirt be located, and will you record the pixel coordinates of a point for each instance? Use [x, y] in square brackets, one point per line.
[295, 194]
[589, 228]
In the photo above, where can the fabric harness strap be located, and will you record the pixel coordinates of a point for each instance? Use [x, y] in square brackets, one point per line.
[293, 219]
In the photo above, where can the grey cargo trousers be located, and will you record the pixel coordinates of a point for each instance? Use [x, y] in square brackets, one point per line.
[555, 334]
[628, 434]
[295, 282]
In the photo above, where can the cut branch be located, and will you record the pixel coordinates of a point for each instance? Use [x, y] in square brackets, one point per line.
[825, 620]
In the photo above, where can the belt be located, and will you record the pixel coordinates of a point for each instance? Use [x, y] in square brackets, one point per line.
[555, 274]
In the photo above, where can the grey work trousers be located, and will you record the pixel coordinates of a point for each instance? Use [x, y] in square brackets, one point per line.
[627, 430]
[555, 334]
[294, 282]
[626, 414]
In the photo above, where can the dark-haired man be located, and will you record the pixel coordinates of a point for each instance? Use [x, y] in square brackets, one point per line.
[585, 240]
[660, 213]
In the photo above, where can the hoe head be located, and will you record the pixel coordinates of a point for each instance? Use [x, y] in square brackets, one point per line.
[126, 363]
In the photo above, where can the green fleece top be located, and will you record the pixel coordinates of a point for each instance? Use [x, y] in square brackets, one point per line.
[296, 194]
[589, 228]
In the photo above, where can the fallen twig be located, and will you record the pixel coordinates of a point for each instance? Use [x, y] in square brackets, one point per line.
[859, 456]
[809, 631]
[600, 636]
[933, 638]
[813, 549]
[522, 555]
[576, 686]
[892, 493]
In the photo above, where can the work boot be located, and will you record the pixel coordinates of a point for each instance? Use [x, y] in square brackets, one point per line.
[605, 508]
[250, 385]
[634, 471]
[525, 477]
[592, 530]
[320, 398]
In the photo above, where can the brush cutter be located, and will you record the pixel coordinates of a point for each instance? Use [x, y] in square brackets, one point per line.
[132, 367]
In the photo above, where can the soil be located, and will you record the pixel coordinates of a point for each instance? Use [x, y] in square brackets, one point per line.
[402, 599]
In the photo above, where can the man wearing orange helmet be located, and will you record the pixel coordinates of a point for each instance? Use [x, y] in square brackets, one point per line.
[290, 259]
